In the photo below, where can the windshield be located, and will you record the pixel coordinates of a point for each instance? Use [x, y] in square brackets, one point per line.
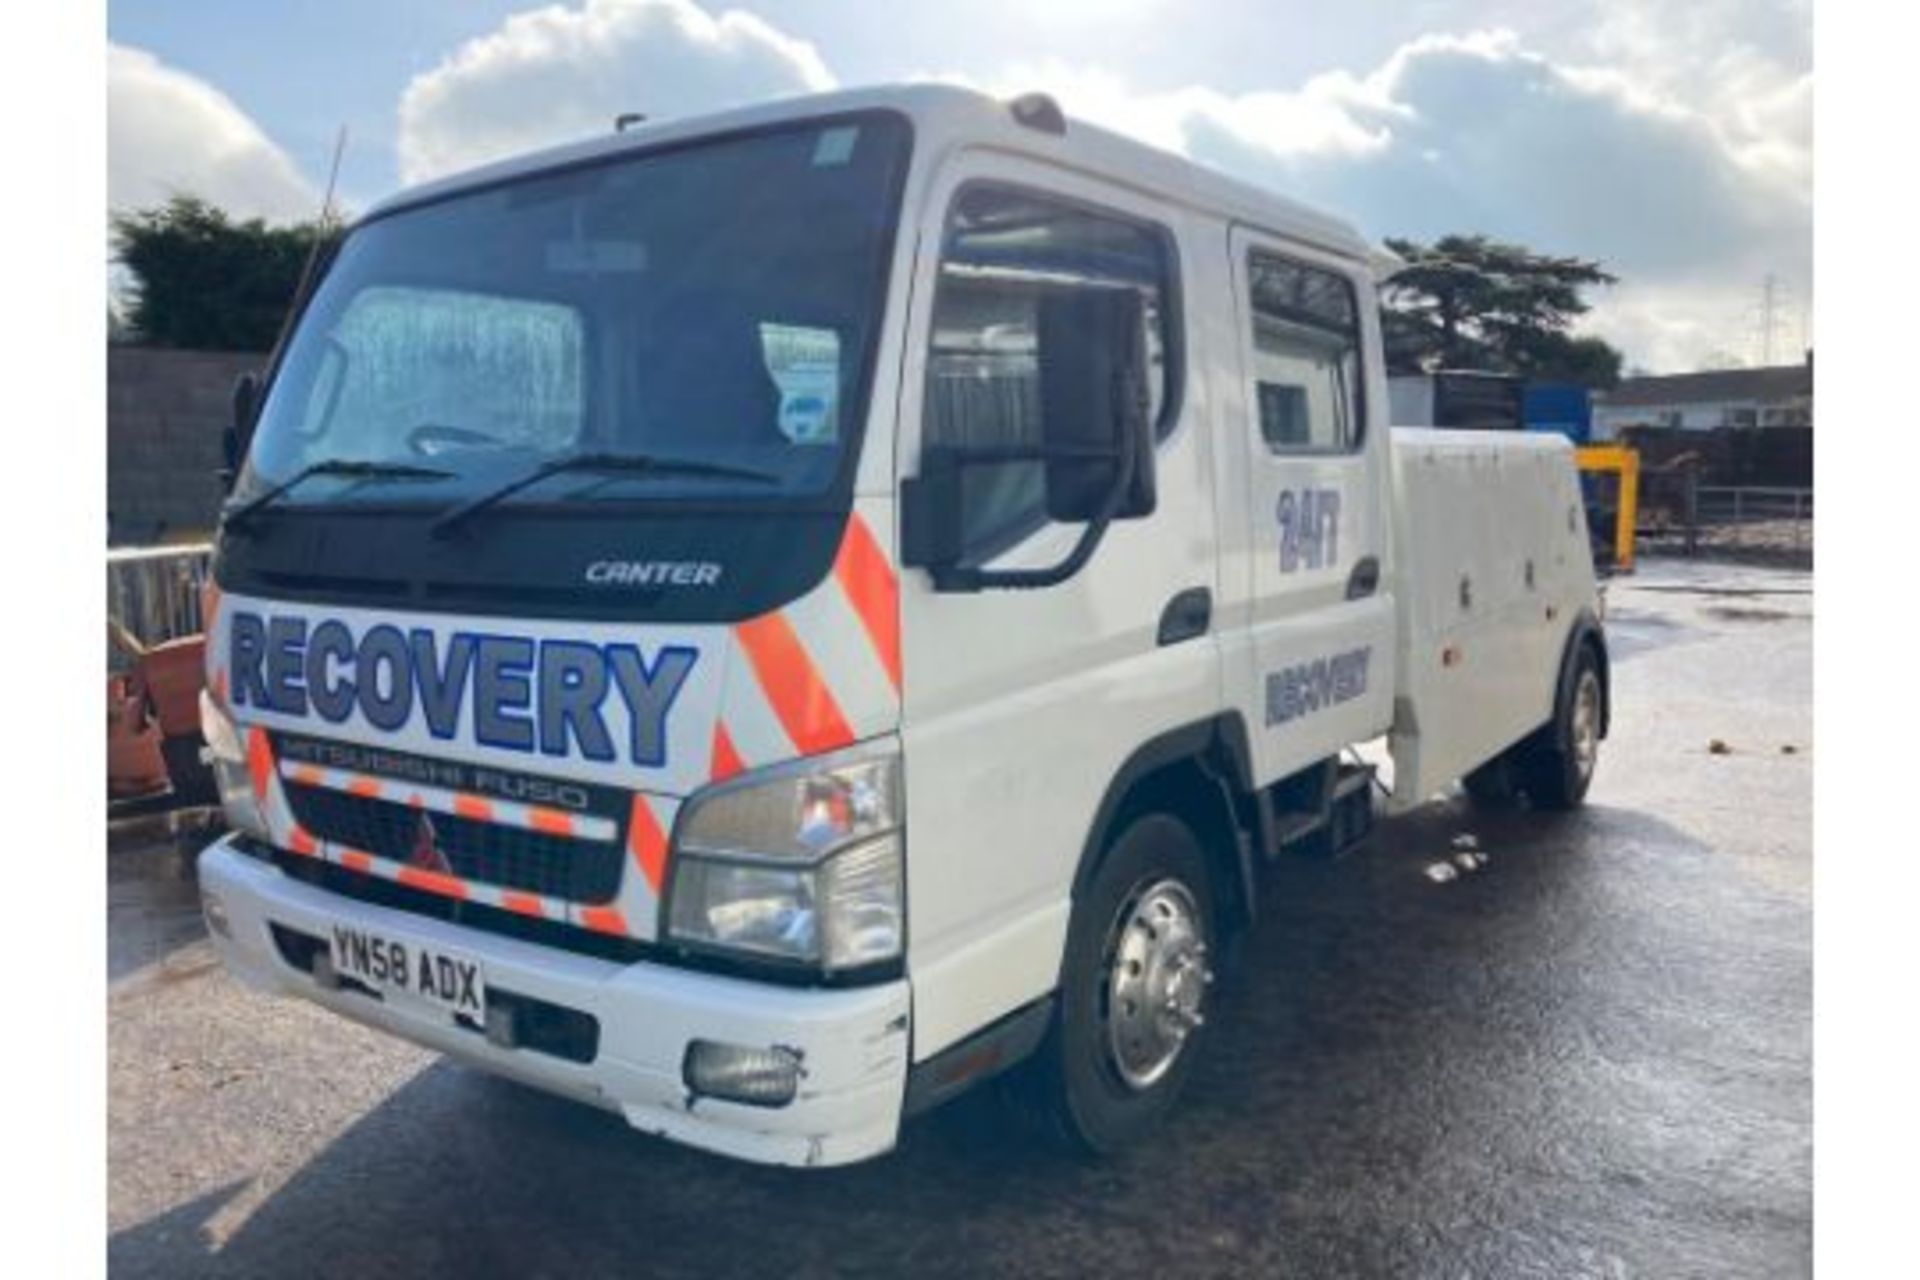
[714, 305]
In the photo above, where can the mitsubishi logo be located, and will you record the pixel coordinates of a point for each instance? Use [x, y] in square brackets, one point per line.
[426, 850]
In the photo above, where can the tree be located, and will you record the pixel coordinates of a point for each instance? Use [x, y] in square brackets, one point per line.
[1467, 301]
[1588, 361]
[204, 280]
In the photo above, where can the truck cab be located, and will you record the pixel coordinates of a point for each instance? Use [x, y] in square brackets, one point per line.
[763, 622]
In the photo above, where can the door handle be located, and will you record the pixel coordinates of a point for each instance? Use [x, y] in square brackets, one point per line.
[1186, 616]
[1365, 578]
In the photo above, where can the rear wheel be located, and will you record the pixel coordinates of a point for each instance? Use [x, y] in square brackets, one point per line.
[1553, 766]
[1491, 785]
[1134, 990]
[1556, 766]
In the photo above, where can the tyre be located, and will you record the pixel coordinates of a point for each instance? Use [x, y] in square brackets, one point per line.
[1135, 986]
[1556, 765]
[1491, 785]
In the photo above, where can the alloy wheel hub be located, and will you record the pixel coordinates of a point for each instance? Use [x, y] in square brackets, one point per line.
[1156, 981]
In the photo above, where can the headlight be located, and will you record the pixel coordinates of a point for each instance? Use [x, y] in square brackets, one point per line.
[800, 862]
[227, 752]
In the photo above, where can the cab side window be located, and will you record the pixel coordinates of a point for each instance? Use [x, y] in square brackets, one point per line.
[1306, 356]
[1003, 250]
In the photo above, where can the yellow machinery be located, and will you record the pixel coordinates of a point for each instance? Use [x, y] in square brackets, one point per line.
[1625, 463]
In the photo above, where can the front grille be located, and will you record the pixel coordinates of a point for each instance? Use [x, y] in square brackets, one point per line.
[488, 852]
[380, 892]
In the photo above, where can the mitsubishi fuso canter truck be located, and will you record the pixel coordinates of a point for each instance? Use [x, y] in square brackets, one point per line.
[760, 623]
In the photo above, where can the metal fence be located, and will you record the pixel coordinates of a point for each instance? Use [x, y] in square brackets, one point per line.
[153, 593]
[1759, 522]
[1743, 504]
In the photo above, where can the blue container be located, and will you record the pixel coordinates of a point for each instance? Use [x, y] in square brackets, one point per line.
[1559, 406]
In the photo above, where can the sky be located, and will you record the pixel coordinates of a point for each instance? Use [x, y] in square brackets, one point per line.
[1673, 142]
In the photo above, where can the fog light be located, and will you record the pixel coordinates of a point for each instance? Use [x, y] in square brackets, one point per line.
[216, 913]
[736, 1073]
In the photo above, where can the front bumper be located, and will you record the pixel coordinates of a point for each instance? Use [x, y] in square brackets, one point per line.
[853, 1044]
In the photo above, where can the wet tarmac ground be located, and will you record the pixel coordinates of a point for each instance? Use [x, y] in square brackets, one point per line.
[1589, 1057]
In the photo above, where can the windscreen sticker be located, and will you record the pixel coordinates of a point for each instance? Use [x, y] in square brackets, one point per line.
[804, 363]
[835, 146]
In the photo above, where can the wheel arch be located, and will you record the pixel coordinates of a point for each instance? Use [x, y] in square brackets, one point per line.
[1202, 774]
[1588, 634]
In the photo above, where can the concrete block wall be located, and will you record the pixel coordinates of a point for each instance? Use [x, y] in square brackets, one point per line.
[166, 410]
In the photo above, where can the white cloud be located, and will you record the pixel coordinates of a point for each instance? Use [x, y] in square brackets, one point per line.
[1742, 64]
[1704, 325]
[1676, 149]
[1690, 202]
[554, 74]
[171, 133]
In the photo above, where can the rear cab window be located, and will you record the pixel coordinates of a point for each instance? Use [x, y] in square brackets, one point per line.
[1307, 378]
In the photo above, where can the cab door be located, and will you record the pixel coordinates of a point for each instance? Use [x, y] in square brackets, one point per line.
[1020, 706]
[1317, 661]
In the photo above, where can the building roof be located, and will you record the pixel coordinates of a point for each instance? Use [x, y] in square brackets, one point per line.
[1774, 384]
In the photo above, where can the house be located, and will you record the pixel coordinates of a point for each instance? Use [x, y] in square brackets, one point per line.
[1775, 396]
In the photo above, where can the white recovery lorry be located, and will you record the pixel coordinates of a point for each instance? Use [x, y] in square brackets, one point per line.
[763, 622]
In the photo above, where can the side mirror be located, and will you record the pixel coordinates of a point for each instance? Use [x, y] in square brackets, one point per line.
[1095, 410]
[239, 430]
[1095, 451]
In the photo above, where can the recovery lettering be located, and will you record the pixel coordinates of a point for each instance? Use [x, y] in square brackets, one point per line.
[527, 695]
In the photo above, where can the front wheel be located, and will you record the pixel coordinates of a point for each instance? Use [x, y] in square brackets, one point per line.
[1135, 986]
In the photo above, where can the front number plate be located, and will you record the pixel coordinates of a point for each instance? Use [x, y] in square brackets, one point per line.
[391, 966]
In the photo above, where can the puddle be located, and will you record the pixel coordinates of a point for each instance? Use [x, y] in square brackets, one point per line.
[1741, 613]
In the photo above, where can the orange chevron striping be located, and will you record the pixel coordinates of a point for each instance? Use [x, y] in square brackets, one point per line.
[433, 882]
[648, 843]
[365, 788]
[259, 762]
[551, 821]
[864, 574]
[355, 860]
[301, 841]
[525, 903]
[603, 920]
[474, 807]
[306, 775]
[726, 758]
[793, 685]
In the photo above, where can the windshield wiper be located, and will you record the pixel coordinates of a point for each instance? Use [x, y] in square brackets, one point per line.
[638, 463]
[235, 518]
